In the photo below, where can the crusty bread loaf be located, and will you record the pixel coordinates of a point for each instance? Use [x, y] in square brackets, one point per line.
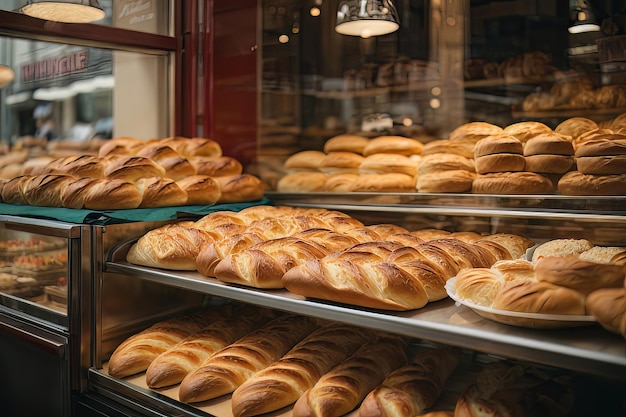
[498, 144]
[539, 297]
[454, 181]
[516, 245]
[216, 166]
[464, 148]
[389, 182]
[190, 147]
[474, 131]
[609, 307]
[524, 131]
[575, 126]
[409, 390]
[227, 369]
[240, 188]
[577, 183]
[73, 195]
[78, 165]
[500, 162]
[104, 193]
[340, 183]
[438, 162]
[380, 163]
[160, 192]
[171, 366]
[172, 246]
[346, 143]
[200, 189]
[135, 354]
[13, 189]
[308, 160]
[342, 389]
[46, 189]
[549, 164]
[132, 168]
[176, 166]
[345, 162]
[393, 144]
[561, 247]
[512, 183]
[211, 254]
[550, 144]
[602, 165]
[301, 182]
[583, 276]
[284, 381]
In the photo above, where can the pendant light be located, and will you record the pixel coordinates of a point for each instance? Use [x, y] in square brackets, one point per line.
[6, 75]
[583, 18]
[75, 11]
[366, 18]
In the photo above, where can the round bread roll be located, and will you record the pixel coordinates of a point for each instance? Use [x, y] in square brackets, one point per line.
[463, 148]
[549, 143]
[577, 183]
[512, 183]
[393, 144]
[346, 143]
[388, 163]
[300, 182]
[240, 188]
[583, 276]
[602, 165]
[451, 181]
[340, 183]
[561, 247]
[604, 145]
[524, 131]
[445, 162]
[500, 162]
[498, 144]
[608, 306]
[336, 162]
[384, 183]
[474, 131]
[539, 297]
[590, 136]
[575, 126]
[549, 164]
[304, 161]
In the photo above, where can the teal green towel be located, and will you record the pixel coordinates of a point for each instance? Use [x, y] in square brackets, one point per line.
[82, 216]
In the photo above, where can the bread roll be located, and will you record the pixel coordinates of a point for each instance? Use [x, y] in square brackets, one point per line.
[106, 193]
[575, 126]
[561, 247]
[190, 147]
[344, 162]
[436, 163]
[577, 183]
[301, 182]
[583, 276]
[284, 381]
[230, 367]
[384, 183]
[160, 192]
[171, 366]
[132, 168]
[379, 163]
[516, 245]
[539, 297]
[549, 143]
[602, 165]
[340, 183]
[524, 131]
[216, 166]
[74, 194]
[200, 189]
[512, 183]
[474, 131]
[346, 143]
[176, 166]
[498, 144]
[240, 188]
[409, 390]
[342, 389]
[458, 147]
[46, 190]
[173, 246]
[393, 144]
[304, 161]
[549, 164]
[604, 145]
[455, 181]
[608, 306]
[135, 354]
[500, 162]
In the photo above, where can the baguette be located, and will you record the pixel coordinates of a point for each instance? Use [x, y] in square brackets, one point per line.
[135, 354]
[171, 366]
[283, 382]
[176, 166]
[102, 194]
[227, 369]
[46, 189]
[342, 389]
[172, 246]
[411, 389]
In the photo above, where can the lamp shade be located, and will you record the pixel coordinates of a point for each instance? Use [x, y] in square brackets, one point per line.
[583, 18]
[75, 11]
[366, 18]
[6, 75]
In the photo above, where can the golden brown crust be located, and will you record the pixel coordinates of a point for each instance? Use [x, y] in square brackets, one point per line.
[334, 162]
[105, 193]
[46, 190]
[575, 126]
[393, 144]
[524, 131]
[602, 165]
[512, 183]
[603, 145]
[216, 166]
[304, 161]
[240, 188]
[74, 194]
[160, 192]
[388, 163]
[340, 183]
[458, 147]
[190, 147]
[609, 307]
[200, 189]
[132, 168]
[498, 144]
[176, 166]
[474, 131]
[577, 183]
[551, 143]
[300, 182]
[445, 162]
[539, 297]
[455, 181]
[346, 143]
[500, 162]
[549, 164]
[384, 183]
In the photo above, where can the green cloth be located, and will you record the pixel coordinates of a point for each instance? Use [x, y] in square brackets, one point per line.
[82, 216]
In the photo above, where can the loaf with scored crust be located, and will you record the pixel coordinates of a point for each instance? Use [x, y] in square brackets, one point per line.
[342, 389]
[284, 381]
[227, 369]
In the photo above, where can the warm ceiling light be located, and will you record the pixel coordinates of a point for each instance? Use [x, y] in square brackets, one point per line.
[583, 19]
[6, 75]
[366, 18]
[77, 11]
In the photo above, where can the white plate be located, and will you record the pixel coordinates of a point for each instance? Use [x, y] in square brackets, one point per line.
[516, 318]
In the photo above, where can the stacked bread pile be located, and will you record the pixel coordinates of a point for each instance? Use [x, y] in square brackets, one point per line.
[130, 173]
[351, 163]
[559, 279]
[265, 360]
[534, 64]
[323, 254]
